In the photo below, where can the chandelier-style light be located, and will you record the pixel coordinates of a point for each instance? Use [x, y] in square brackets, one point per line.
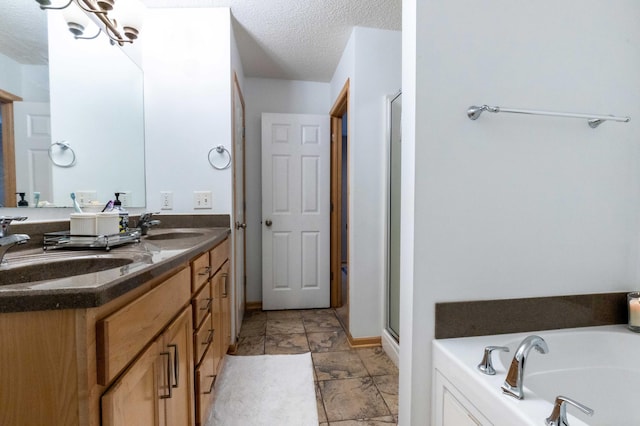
[121, 23]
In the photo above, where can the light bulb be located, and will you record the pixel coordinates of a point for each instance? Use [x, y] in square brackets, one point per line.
[76, 19]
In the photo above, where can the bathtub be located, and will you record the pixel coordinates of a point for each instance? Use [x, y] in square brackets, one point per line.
[596, 366]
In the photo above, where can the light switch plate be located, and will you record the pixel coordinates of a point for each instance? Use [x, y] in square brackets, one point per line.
[85, 198]
[202, 200]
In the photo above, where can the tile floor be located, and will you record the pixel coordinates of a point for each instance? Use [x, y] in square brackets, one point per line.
[353, 386]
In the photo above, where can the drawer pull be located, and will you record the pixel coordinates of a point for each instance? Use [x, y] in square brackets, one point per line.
[213, 382]
[226, 280]
[208, 305]
[209, 338]
[205, 271]
[176, 364]
[168, 376]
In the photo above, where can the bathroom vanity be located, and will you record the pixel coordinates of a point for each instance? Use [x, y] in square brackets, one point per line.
[138, 344]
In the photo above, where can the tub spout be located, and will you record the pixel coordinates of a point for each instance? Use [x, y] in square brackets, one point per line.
[513, 383]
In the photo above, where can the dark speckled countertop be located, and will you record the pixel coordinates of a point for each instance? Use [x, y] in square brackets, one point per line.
[151, 259]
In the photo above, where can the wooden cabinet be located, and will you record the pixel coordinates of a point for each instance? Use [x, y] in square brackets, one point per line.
[157, 388]
[212, 324]
[116, 364]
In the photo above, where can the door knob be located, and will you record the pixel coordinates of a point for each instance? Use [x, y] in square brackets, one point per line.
[241, 225]
[268, 222]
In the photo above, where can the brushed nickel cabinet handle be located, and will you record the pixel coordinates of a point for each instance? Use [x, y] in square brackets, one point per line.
[208, 306]
[176, 364]
[209, 337]
[213, 382]
[206, 271]
[226, 280]
[168, 375]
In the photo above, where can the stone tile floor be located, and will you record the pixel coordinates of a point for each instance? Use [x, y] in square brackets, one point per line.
[353, 386]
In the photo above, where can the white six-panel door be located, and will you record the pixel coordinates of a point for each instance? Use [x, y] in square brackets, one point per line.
[32, 140]
[295, 211]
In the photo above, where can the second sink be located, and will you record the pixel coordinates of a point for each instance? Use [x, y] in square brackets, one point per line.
[59, 268]
[173, 235]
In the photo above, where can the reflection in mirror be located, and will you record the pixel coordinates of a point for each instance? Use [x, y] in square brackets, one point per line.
[96, 104]
[96, 99]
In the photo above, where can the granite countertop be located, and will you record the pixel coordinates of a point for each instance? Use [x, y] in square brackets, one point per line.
[150, 259]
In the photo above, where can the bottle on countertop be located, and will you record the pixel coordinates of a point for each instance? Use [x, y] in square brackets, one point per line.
[122, 213]
[22, 202]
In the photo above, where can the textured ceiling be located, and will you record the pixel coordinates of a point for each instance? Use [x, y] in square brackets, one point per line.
[286, 39]
[23, 31]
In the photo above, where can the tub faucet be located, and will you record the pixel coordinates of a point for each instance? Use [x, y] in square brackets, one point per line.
[513, 383]
[8, 241]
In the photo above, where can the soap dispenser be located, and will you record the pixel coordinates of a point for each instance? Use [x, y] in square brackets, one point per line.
[124, 215]
[22, 202]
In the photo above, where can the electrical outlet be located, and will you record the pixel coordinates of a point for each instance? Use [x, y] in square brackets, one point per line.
[166, 200]
[125, 198]
[85, 198]
[202, 200]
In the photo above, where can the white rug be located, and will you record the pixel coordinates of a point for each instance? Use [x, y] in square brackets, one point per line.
[265, 390]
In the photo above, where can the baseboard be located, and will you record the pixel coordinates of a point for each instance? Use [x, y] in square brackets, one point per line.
[364, 342]
[253, 306]
[391, 347]
[233, 349]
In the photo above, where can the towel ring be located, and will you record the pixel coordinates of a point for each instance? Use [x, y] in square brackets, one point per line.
[64, 146]
[219, 149]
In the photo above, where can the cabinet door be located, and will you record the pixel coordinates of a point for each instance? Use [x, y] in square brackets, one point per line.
[135, 398]
[179, 408]
[454, 413]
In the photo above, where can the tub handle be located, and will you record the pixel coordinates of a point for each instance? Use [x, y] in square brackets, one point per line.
[486, 366]
[558, 416]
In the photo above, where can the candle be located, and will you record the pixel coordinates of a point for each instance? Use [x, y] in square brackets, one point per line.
[633, 300]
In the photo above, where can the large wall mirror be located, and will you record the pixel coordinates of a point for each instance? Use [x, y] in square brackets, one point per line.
[87, 137]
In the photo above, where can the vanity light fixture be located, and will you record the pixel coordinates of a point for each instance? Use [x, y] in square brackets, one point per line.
[122, 30]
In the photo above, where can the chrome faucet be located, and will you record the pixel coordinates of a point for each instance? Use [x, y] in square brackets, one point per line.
[513, 383]
[145, 222]
[8, 241]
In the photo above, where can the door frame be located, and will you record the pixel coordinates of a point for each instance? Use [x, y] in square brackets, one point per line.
[340, 107]
[236, 86]
[8, 147]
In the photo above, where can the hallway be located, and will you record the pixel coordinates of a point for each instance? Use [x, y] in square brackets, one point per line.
[353, 386]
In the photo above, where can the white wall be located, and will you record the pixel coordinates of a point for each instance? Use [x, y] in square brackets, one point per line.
[372, 63]
[187, 62]
[30, 82]
[514, 206]
[275, 96]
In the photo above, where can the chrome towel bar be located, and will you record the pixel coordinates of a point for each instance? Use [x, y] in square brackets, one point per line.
[594, 120]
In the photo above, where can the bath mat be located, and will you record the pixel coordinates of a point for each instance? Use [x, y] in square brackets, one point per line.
[265, 390]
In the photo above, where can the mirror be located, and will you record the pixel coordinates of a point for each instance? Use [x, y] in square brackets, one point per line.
[96, 142]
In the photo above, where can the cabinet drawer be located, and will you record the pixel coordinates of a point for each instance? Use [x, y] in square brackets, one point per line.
[200, 270]
[219, 255]
[202, 338]
[124, 333]
[201, 304]
[205, 382]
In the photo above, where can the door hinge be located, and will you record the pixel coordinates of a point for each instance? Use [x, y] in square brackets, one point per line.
[331, 273]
